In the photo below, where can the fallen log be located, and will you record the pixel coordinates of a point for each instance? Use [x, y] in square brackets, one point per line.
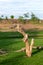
[22, 49]
[34, 47]
[38, 47]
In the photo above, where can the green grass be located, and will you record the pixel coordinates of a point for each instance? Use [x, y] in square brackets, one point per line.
[31, 33]
[14, 58]
[10, 42]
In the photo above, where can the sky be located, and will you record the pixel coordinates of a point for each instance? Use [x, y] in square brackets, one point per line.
[19, 7]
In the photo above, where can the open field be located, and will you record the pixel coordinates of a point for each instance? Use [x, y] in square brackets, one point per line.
[25, 26]
[19, 58]
[10, 43]
[30, 32]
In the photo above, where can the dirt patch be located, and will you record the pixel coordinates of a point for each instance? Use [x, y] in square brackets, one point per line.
[7, 27]
[31, 26]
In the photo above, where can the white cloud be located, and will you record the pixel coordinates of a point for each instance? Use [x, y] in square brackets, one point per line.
[5, 0]
[18, 7]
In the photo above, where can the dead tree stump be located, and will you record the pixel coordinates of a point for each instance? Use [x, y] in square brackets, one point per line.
[25, 39]
[28, 47]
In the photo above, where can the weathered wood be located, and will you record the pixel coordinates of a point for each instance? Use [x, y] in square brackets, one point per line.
[34, 47]
[31, 45]
[38, 47]
[28, 47]
[22, 49]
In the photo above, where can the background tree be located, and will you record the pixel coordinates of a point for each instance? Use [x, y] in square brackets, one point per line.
[34, 18]
[21, 19]
[12, 16]
[6, 18]
[26, 16]
[12, 19]
[2, 16]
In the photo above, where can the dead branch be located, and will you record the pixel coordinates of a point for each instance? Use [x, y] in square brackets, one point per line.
[34, 47]
[22, 49]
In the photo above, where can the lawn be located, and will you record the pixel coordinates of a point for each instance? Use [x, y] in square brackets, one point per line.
[10, 42]
[19, 58]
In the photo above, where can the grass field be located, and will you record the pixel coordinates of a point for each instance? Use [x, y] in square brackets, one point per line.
[19, 58]
[31, 32]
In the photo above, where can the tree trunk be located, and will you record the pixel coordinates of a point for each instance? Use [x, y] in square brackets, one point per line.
[29, 47]
[25, 39]
[28, 53]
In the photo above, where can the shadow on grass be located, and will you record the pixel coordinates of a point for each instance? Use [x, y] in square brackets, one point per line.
[8, 44]
[37, 51]
[17, 37]
[13, 61]
[17, 59]
[31, 32]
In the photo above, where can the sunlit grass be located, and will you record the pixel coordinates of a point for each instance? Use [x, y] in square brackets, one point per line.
[14, 58]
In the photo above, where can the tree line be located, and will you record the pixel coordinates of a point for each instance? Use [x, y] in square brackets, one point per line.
[25, 18]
